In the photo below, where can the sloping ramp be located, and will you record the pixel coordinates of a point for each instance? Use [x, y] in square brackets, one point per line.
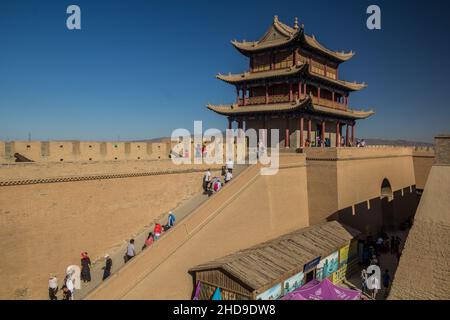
[249, 210]
[21, 158]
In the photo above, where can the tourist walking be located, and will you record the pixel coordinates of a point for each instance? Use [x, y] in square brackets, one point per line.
[149, 241]
[171, 219]
[230, 165]
[107, 267]
[386, 282]
[206, 180]
[373, 284]
[68, 284]
[131, 251]
[364, 280]
[157, 231]
[52, 287]
[85, 267]
[228, 176]
[67, 294]
[392, 244]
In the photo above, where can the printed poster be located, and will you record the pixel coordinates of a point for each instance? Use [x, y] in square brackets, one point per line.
[327, 266]
[293, 282]
[273, 293]
[343, 255]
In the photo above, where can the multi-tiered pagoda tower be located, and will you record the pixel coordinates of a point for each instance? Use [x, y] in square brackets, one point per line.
[293, 85]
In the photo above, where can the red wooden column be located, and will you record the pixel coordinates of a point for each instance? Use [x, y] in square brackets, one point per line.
[353, 133]
[318, 93]
[286, 140]
[304, 88]
[237, 94]
[309, 130]
[323, 133]
[244, 94]
[299, 89]
[291, 96]
[302, 143]
[347, 141]
[264, 130]
[338, 136]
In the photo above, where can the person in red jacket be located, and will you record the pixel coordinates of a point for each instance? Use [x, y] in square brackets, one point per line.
[157, 231]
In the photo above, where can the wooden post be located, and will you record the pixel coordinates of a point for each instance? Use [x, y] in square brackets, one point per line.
[347, 140]
[309, 130]
[264, 130]
[318, 93]
[304, 88]
[302, 143]
[291, 96]
[338, 137]
[267, 94]
[287, 133]
[299, 89]
[244, 94]
[323, 133]
[237, 94]
[353, 133]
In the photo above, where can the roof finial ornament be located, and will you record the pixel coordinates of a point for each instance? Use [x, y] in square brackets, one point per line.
[275, 18]
[295, 23]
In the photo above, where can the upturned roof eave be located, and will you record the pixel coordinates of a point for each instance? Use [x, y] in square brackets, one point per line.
[266, 75]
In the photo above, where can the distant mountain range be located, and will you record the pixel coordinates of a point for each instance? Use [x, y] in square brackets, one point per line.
[398, 143]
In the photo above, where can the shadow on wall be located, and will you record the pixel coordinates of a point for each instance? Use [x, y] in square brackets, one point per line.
[382, 213]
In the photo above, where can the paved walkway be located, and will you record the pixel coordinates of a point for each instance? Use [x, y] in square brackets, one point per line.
[387, 261]
[117, 253]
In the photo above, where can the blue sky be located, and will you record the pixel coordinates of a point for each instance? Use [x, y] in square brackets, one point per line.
[139, 69]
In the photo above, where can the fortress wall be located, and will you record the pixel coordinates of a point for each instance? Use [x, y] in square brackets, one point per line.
[46, 226]
[160, 150]
[361, 172]
[2, 151]
[89, 151]
[29, 149]
[322, 189]
[60, 151]
[115, 151]
[250, 210]
[425, 257]
[345, 184]
[137, 151]
[422, 167]
[51, 151]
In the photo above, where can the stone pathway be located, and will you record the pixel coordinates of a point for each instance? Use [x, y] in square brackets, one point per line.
[387, 261]
[117, 253]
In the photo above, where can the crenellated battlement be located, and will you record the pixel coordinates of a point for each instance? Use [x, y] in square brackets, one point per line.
[74, 151]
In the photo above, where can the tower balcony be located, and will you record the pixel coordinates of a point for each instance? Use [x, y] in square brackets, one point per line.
[280, 98]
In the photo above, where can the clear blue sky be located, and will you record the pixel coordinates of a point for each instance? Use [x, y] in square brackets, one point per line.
[139, 69]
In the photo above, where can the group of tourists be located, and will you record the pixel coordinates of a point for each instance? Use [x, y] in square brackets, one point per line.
[212, 184]
[370, 259]
[75, 274]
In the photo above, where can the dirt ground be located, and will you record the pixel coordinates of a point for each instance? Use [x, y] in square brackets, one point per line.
[44, 227]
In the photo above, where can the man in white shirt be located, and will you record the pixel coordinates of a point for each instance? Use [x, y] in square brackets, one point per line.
[230, 165]
[130, 250]
[206, 179]
[228, 176]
